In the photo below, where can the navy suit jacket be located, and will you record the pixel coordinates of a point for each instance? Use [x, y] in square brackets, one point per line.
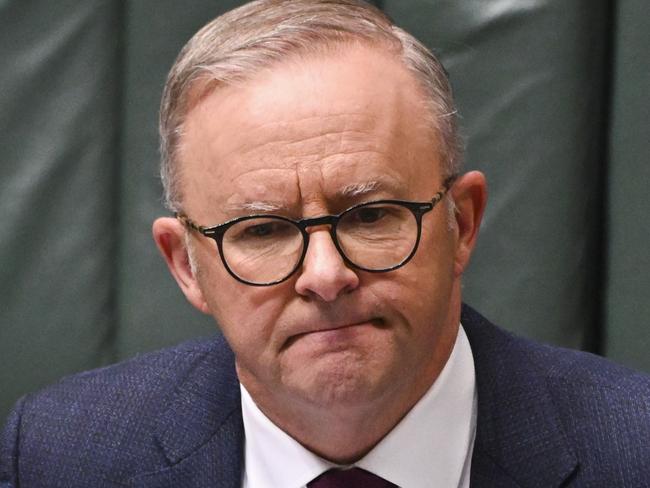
[547, 417]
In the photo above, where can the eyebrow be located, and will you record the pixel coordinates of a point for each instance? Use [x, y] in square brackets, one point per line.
[255, 206]
[359, 189]
[353, 190]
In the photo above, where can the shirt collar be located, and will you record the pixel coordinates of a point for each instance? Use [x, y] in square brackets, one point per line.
[431, 445]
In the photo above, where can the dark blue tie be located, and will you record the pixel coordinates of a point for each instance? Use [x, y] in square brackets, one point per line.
[349, 478]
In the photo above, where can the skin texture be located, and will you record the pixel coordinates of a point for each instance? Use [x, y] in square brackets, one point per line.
[333, 356]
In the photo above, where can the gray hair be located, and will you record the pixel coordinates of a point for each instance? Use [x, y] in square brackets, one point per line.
[240, 43]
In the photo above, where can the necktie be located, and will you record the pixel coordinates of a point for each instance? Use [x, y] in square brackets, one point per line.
[349, 478]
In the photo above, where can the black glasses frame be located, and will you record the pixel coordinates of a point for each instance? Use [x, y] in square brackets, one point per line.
[418, 209]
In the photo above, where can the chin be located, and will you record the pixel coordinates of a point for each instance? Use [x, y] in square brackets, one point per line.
[340, 382]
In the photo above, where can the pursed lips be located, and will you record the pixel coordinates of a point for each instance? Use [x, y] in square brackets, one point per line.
[331, 329]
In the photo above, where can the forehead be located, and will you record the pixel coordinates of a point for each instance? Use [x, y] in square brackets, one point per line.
[307, 129]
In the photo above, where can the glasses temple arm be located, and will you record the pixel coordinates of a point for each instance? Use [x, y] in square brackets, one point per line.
[187, 222]
[446, 185]
[449, 181]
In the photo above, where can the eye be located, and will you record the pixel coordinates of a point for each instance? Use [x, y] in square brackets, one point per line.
[261, 230]
[369, 215]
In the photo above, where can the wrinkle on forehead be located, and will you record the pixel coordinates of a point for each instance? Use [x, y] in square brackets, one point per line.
[262, 189]
[290, 142]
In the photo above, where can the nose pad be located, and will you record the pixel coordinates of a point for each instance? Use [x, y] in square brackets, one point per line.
[324, 274]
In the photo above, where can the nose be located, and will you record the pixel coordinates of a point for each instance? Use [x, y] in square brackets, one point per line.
[324, 274]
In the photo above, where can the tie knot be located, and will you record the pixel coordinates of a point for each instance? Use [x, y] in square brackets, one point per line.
[349, 478]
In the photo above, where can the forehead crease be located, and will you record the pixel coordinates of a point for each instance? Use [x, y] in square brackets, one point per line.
[265, 173]
[292, 153]
[322, 138]
[261, 183]
[320, 119]
[261, 189]
[313, 130]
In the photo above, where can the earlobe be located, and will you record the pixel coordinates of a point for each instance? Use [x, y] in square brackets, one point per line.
[169, 235]
[470, 196]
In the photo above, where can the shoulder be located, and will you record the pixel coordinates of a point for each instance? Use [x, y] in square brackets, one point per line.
[125, 386]
[603, 407]
[105, 418]
[592, 394]
[598, 408]
[557, 365]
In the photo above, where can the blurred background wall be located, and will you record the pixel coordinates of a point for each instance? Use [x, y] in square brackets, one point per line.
[555, 106]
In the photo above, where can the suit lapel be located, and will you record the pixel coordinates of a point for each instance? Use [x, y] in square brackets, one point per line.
[487, 473]
[519, 438]
[201, 433]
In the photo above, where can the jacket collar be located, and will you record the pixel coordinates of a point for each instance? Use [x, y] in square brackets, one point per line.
[201, 432]
[519, 439]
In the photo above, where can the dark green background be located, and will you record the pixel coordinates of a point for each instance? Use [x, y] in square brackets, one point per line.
[554, 102]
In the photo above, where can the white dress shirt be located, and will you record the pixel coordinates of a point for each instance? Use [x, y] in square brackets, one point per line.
[431, 446]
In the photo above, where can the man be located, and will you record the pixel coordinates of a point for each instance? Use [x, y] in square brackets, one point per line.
[311, 158]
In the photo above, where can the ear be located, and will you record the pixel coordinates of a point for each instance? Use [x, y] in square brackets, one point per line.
[169, 234]
[469, 193]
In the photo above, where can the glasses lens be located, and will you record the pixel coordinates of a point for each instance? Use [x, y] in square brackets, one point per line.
[377, 236]
[262, 250]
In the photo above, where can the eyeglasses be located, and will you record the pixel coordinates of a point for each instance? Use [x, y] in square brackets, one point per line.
[263, 250]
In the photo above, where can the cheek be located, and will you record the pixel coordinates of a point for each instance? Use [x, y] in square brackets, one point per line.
[245, 314]
[423, 287]
[435, 256]
[414, 297]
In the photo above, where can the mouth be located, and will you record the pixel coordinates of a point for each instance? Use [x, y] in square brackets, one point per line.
[335, 333]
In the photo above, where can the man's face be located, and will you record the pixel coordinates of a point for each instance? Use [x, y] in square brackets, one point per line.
[311, 137]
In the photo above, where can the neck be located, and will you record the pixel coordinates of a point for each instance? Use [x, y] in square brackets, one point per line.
[342, 434]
